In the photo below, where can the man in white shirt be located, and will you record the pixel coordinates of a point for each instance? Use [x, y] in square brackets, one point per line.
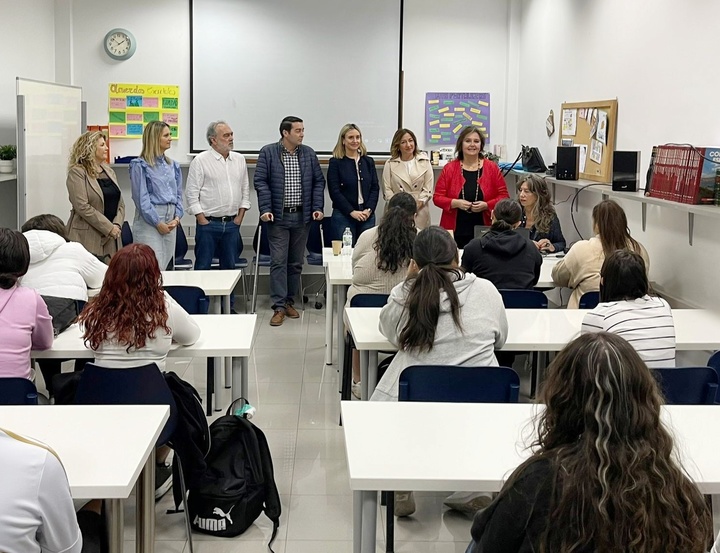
[218, 194]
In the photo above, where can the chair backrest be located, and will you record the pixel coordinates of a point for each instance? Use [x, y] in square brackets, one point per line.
[327, 231]
[144, 385]
[181, 244]
[264, 241]
[17, 391]
[524, 299]
[191, 298]
[315, 238]
[369, 300]
[714, 362]
[126, 234]
[688, 385]
[455, 384]
[589, 300]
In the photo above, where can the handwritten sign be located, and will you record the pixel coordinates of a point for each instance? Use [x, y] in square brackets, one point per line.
[132, 106]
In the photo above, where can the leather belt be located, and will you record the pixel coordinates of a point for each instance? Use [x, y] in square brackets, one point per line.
[224, 219]
[292, 209]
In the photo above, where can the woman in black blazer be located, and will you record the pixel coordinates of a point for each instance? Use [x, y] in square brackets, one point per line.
[353, 185]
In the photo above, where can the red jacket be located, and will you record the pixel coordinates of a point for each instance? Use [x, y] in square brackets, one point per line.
[451, 182]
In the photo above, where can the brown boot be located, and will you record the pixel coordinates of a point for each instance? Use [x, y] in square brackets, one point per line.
[291, 312]
[278, 318]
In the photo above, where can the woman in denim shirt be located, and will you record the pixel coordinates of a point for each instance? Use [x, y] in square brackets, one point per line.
[157, 193]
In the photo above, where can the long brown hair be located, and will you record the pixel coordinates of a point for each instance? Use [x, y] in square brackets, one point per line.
[130, 307]
[396, 233]
[395, 144]
[543, 211]
[434, 252]
[83, 152]
[611, 223]
[617, 486]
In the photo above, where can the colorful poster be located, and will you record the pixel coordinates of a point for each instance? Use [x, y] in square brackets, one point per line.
[446, 113]
[132, 106]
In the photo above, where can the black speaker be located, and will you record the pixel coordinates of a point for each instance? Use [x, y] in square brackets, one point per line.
[568, 163]
[626, 171]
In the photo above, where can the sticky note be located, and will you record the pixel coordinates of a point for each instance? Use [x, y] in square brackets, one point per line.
[170, 103]
[117, 103]
[117, 117]
[170, 118]
[467, 117]
[446, 102]
[443, 110]
[434, 122]
[465, 104]
[174, 131]
[117, 130]
[456, 129]
[433, 108]
[481, 103]
[451, 115]
[436, 136]
[134, 101]
[151, 116]
[135, 129]
[477, 123]
[475, 110]
[150, 102]
[134, 117]
[444, 125]
[458, 109]
[433, 101]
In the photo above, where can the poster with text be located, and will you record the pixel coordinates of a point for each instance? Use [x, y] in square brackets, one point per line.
[132, 106]
[447, 113]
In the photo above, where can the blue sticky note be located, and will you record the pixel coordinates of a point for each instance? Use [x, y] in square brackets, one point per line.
[135, 129]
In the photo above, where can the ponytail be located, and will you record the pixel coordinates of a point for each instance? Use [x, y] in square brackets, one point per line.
[396, 234]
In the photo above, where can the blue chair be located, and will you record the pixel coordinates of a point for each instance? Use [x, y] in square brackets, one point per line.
[181, 249]
[126, 236]
[714, 362]
[18, 391]
[687, 385]
[589, 300]
[455, 384]
[191, 298]
[317, 238]
[261, 246]
[241, 264]
[144, 385]
[523, 299]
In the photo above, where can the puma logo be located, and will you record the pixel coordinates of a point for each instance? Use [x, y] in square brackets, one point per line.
[219, 512]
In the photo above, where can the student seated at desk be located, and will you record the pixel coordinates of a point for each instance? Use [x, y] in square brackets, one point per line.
[539, 214]
[133, 322]
[504, 257]
[627, 309]
[580, 268]
[603, 475]
[61, 269]
[24, 318]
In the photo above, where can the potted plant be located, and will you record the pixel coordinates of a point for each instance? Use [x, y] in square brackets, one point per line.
[7, 155]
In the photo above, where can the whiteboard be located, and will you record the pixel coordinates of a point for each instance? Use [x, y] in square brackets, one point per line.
[329, 62]
[49, 120]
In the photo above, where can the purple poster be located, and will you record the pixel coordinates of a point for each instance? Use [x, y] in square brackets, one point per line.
[446, 113]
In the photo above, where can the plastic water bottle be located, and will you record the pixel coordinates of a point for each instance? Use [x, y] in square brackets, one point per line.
[347, 242]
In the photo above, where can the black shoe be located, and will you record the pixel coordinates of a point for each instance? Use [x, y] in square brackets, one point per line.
[163, 479]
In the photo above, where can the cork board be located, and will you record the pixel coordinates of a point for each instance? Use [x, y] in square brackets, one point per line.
[591, 126]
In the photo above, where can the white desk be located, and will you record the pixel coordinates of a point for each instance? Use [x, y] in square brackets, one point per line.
[220, 336]
[387, 449]
[105, 449]
[532, 330]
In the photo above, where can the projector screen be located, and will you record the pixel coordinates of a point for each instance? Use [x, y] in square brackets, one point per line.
[329, 62]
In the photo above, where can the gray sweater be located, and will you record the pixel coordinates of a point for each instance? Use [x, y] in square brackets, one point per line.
[484, 329]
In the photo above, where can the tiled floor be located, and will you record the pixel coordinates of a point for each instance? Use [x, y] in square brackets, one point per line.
[298, 409]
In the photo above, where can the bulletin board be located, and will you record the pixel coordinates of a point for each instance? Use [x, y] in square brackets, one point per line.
[132, 106]
[592, 127]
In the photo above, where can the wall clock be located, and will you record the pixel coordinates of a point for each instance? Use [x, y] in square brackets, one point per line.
[120, 44]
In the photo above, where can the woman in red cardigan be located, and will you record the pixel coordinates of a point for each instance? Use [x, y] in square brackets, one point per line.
[468, 188]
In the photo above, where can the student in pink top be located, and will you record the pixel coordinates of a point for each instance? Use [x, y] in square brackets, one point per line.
[24, 318]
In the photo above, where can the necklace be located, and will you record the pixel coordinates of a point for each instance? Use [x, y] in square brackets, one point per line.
[477, 183]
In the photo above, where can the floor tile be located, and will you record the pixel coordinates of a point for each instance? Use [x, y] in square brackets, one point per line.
[160, 546]
[273, 416]
[325, 443]
[319, 415]
[237, 545]
[321, 477]
[309, 546]
[432, 522]
[320, 392]
[320, 517]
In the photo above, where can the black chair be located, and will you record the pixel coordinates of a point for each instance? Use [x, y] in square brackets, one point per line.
[261, 247]
[714, 362]
[687, 385]
[144, 385]
[241, 264]
[126, 236]
[317, 239]
[589, 300]
[18, 391]
[181, 249]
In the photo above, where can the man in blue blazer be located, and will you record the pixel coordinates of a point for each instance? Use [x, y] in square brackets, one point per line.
[290, 188]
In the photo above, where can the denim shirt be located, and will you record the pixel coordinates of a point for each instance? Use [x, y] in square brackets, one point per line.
[156, 185]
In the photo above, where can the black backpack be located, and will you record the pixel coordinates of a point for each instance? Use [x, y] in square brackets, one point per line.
[238, 484]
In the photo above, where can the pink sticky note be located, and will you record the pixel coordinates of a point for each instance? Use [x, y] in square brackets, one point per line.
[150, 102]
[133, 117]
[117, 103]
[117, 130]
[170, 118]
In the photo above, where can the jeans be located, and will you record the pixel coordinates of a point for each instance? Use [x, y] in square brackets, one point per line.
[162, 244]
[287, 238]
[340, 222]
[216, 237]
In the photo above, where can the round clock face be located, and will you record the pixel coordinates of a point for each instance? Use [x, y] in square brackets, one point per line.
[119, 44]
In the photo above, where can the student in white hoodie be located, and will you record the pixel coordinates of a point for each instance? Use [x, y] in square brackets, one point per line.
[58, 268]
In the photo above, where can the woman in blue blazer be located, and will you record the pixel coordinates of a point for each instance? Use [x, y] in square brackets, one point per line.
[353, 185]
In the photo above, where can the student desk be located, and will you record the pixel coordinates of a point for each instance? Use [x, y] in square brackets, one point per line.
[105, 449]
[220, 336]
[530, 330]
[452, 447]
[338, 276]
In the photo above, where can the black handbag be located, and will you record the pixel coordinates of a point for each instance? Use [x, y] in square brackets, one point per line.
[64, 312]
[532, 161]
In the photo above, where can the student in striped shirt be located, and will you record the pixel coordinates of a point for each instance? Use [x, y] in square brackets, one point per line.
[627, 309]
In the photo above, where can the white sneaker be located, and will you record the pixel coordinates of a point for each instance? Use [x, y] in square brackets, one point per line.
[404, 504]
[356, 390]
[468, 503]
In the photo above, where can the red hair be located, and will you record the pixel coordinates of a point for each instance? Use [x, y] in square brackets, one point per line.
[131, 304]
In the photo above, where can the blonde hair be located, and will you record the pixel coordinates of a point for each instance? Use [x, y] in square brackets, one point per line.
[151, 142]
[83, 151]
[339, 149]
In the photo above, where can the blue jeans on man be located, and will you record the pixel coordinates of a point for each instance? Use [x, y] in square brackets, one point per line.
[287, 238]
[341, 221]
[221, 238]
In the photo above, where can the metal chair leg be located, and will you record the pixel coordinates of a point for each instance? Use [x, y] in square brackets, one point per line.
[390, 522]
[188, 529]
[257, 270]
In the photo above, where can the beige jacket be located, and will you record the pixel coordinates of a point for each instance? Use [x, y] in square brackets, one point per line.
[419, 182]
[87, 224]
[580, 268]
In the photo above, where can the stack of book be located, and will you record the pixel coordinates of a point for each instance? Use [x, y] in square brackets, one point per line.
[685, 174]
